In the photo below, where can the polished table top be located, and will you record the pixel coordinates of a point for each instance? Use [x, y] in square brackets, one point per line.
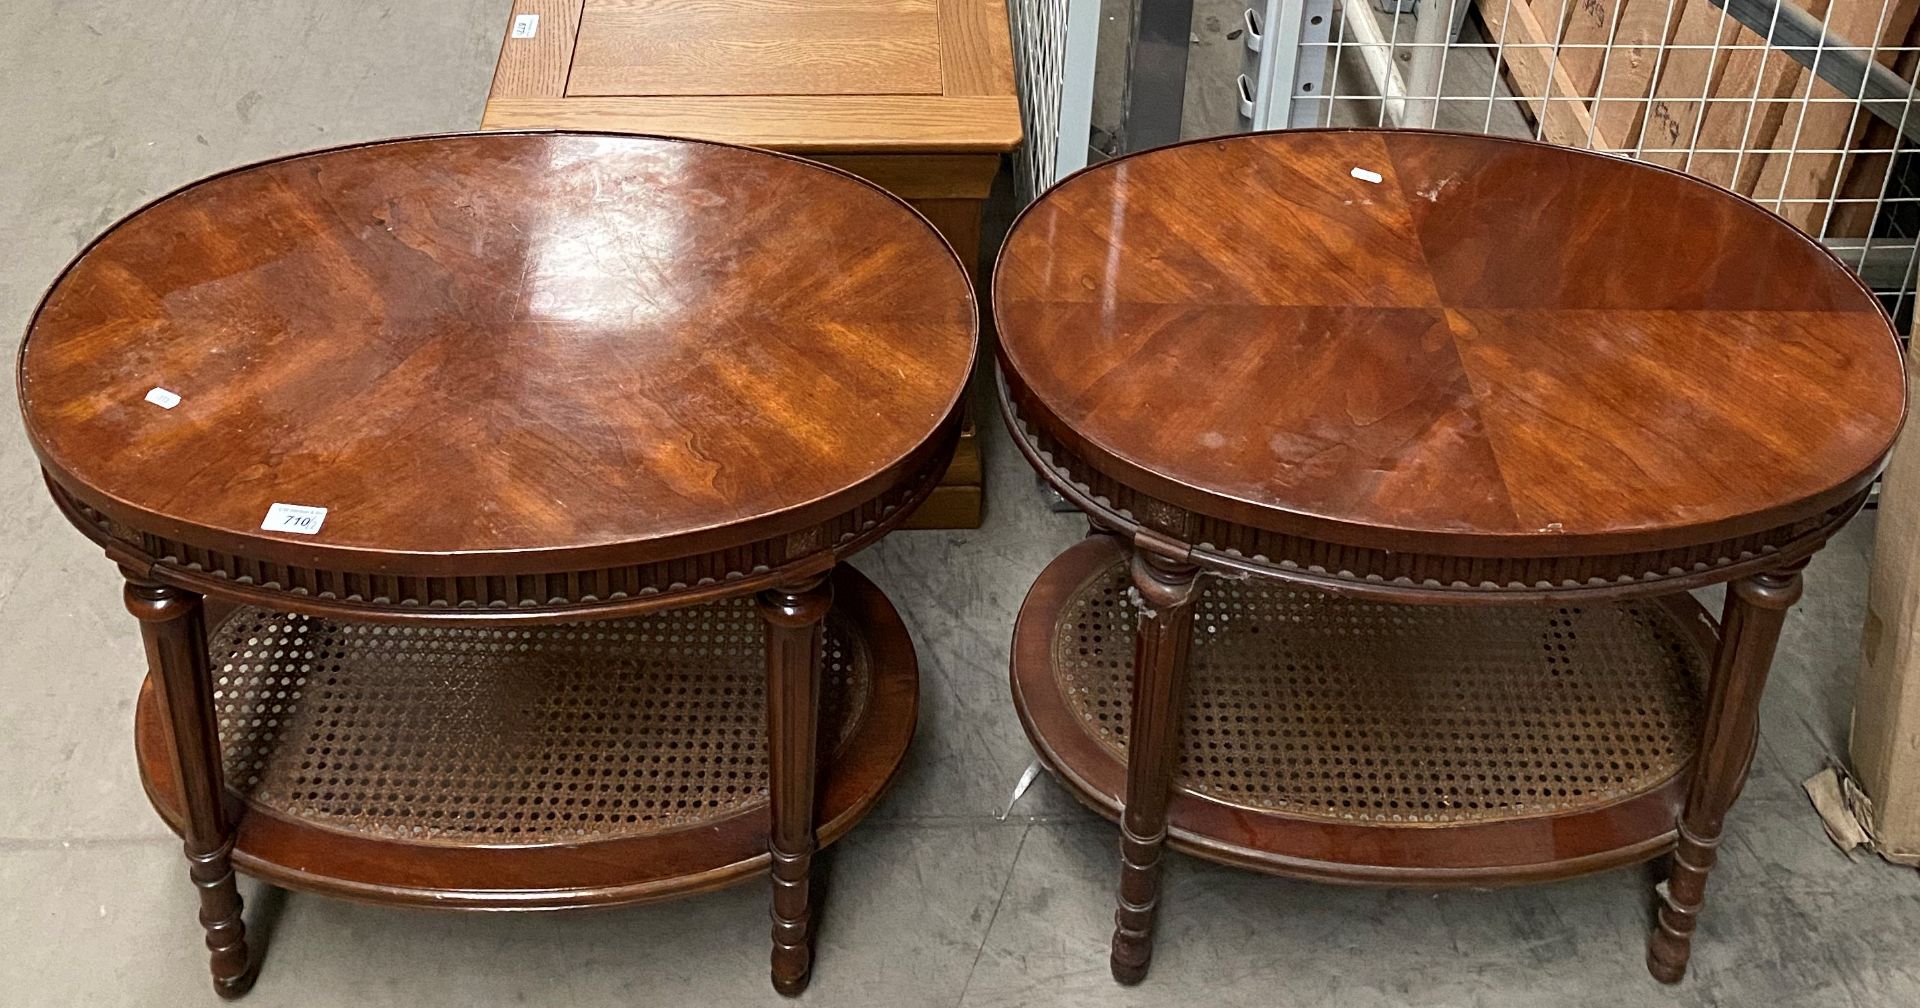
[503, 343]
[1481, 345]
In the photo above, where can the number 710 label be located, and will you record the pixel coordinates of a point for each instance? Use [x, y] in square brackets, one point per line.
[299, 518]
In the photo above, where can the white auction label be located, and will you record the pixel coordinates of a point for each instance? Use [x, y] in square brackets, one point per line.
[1367, 176]
[301, 518]
[525, 25]
[162, 398]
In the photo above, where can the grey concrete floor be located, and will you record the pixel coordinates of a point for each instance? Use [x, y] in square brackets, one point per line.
[934, 900]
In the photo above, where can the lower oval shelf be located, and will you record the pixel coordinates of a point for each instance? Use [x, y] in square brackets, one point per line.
[1357, 741]
[582, 764]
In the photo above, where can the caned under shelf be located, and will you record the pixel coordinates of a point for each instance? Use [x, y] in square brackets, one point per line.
[612, 761]
[1355, 740]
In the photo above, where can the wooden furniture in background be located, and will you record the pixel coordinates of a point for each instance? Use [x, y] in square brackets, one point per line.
[1689, 87]
[593, 420]
[1423, 371]
[915, 95]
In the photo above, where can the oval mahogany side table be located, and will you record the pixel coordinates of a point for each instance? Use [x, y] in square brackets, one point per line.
[1410, 445]
[593, 419]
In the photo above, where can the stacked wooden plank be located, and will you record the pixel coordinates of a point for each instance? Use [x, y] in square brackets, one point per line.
[1679, 83]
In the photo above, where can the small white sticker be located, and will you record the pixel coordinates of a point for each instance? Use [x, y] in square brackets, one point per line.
[525, 25]
[299, 518]
[162, 398]
[1367, 176]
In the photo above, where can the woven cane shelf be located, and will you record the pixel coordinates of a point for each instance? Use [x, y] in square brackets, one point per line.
[1335, 737]
[612, 761]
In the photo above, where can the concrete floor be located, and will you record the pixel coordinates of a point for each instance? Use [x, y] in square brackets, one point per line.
[935, 901]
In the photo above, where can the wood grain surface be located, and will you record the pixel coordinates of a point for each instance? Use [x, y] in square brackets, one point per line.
[877, 124]
[915, 95]
[769, 47]
[1501, 348]
[536, 66]
[476, 346]
[814, 76]
[976, 51]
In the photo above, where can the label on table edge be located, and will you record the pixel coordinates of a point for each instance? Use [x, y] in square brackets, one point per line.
[163, 398]
[525, 25]
[1366, 175]
[303, 519]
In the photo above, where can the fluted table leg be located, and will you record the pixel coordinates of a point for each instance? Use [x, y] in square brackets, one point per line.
[173, 627]
[1756, 608]
[1167, 590]
[795, 617]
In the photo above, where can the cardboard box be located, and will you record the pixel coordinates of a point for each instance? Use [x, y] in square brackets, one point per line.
[1886, 709]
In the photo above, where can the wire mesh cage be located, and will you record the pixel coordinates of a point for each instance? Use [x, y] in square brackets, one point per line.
[1053, 49]
[1804, 106]
[1805, 110]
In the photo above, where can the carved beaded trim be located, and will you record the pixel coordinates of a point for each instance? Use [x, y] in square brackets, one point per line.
[513, 592]
[1251, 547]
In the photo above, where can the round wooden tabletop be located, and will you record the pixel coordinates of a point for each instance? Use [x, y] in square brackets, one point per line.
[562, 349]
[1465, 344]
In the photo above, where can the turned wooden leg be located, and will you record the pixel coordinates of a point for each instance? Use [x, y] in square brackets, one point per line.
[795, 631]
[175, 633]
[1750, 628]
[1167, 590]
